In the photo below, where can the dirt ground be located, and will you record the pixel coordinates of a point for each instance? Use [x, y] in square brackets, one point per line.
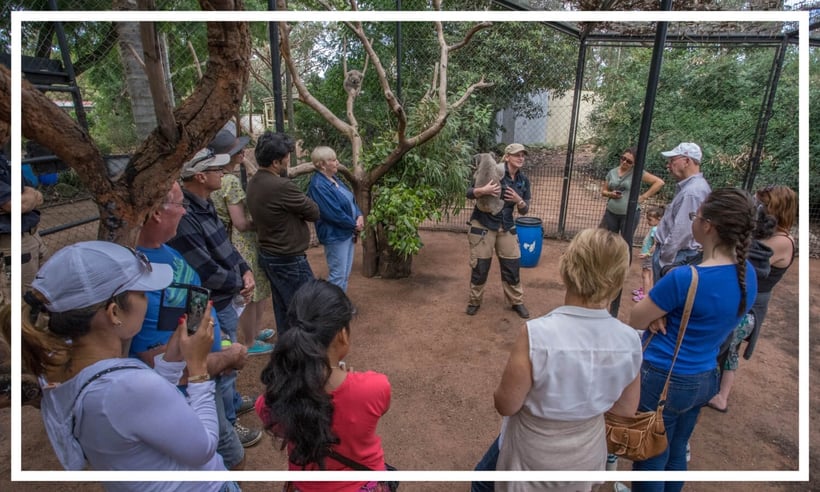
[444, 366]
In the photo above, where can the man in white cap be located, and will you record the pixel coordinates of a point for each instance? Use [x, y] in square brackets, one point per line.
[203, 241]
[674, 242]
[496, 233]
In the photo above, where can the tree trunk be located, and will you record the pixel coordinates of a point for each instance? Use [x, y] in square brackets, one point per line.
[392, 264]
[124, 202]
[136, 80]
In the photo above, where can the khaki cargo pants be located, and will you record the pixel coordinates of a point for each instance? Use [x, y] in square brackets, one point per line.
[32, 250]
[483, 242]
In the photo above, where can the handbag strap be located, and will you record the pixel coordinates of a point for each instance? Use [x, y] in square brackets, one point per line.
[687, 310]
[348, 462]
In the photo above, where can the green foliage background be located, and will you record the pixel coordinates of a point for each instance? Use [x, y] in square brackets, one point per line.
[708, 95]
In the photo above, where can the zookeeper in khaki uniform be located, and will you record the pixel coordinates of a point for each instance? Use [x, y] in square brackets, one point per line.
[33, 251]
[497, 232]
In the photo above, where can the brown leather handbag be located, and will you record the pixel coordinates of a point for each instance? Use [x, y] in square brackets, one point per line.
[644, 436]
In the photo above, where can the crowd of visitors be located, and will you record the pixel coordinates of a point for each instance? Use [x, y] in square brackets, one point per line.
[566, 369]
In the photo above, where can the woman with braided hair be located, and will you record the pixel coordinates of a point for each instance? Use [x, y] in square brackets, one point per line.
[325, 415]
[726, 290]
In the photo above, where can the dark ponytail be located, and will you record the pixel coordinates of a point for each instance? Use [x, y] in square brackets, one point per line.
[732, 212]
[295, 377]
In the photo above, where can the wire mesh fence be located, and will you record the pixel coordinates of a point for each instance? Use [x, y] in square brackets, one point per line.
[713, 94]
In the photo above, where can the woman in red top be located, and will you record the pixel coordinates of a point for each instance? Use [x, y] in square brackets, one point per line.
[317, 408]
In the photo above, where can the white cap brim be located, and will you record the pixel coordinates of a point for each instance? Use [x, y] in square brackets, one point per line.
[160, 277]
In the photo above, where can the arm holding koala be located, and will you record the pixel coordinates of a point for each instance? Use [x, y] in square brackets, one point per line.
[492, 188]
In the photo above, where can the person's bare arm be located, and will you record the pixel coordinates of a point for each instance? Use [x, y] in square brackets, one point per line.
[238, 218]
[232, 357]
[627, 403]
[516, 380]
[655, 184]
[605, 191]
[30, 199]
[647, 315]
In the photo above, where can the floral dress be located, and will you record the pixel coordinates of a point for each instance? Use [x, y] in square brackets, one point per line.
[246, 242]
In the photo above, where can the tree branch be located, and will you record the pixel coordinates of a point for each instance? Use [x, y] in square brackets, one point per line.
[464, 42]
[478, 85]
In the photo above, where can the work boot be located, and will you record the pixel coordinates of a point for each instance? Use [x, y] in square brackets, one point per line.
[472, 309]
[521, 310]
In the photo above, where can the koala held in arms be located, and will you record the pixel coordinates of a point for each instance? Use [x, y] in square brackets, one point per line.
[488, 170]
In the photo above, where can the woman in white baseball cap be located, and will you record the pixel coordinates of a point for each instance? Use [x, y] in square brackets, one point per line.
[99, 408]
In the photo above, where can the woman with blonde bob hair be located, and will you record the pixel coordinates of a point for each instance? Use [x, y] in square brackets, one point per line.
[566, 369]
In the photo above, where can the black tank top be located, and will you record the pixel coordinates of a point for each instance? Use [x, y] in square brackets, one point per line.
[775, 273]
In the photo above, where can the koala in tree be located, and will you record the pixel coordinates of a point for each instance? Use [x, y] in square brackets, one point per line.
[353, 82]
[488, 170]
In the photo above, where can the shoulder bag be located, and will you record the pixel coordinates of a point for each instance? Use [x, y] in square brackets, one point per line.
[644, 436]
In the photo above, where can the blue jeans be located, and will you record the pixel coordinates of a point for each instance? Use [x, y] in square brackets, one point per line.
[680, 256]
[286, 274]
[488, 462]
[229, 446]
[228, 322]
[685, 397]
[339, 257]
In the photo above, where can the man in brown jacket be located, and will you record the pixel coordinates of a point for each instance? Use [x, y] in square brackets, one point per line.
[280, 212]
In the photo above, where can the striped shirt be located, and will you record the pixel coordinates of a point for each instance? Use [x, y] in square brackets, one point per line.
[203, 242]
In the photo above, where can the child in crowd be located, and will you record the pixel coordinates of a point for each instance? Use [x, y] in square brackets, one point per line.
[653, 218]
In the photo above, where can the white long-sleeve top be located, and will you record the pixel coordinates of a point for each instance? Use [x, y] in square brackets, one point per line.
[135, 419]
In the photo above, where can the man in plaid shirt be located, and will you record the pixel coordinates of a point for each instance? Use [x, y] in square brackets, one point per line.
[204, 243]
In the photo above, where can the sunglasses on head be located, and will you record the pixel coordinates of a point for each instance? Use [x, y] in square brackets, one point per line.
[145, 266]
[209, 154]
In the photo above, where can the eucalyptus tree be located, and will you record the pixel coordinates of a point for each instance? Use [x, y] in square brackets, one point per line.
[126, 199]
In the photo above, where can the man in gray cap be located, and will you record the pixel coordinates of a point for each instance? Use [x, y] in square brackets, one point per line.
[496, 232]
[203, 241]
[675, 244]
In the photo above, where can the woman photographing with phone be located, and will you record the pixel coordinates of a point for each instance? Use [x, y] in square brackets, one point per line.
[99, 408]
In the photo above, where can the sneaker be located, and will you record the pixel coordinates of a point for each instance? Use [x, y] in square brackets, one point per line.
[266, 334]
[638, 297]
[688, 453]
[472, 309]
[638, 291]
[611, 462]
[619, 487]
[246, 406]
[248, 437]
[260, 348]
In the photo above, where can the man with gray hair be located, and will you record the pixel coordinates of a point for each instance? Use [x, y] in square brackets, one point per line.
[675, 243]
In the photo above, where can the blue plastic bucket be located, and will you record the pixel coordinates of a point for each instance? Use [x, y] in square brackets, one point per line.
[29, 178]
[48, 179]
[530, 240]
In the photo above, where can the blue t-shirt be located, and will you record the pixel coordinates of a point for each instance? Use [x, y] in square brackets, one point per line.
[649, 240]
[714, 316]
[149, 336]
